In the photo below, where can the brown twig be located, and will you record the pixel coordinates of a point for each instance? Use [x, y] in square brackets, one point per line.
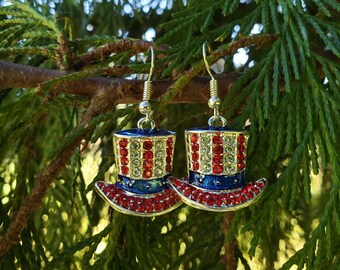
[34, 199]
[229, 248]
[98, 54]
[115, 90]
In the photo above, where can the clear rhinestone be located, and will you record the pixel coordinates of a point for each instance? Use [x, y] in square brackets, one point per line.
[135, 145]
[206, 149]
[230, 159]
[159, 162]
[230, 169]
[136, 172]
[205, 140]
[135, 154]
[160, 144]
[206, 168]
[136, 162]
[230, 150]
[206, 157]
[230, 140]
[159, 154]
[158, 172]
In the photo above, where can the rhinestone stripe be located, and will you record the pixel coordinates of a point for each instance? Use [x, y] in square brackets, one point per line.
[144, 158]
[216, 152]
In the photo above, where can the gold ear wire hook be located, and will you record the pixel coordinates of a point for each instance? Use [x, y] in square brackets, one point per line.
[214, 101]
[205, 58]
[145, 106]
[152, 63]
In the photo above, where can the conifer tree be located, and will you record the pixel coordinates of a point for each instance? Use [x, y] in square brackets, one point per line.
[70, 75]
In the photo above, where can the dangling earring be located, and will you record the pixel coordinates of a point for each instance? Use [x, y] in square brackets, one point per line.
[216, 160]
[144, 161]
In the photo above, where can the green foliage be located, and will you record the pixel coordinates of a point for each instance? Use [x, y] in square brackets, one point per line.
[288, 89]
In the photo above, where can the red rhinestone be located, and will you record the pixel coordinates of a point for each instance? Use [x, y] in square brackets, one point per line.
[260, 185]
[147, 164]
[256, 190]
[182, 187]
[243, 199]
[158, 198]
[187, 192]
[240, 156]
[123, 143]
[137, 200]
[170, 201]
[218, 200]
[133, 206]
[111, 195]
[217, 140]
[217, 169]
[202, 199]
[241, 147]
[147, 145]
[250, 195]
[195, 165]
[194, 196]
[125, 170]
[126, 204]
[124, 161]
[217, 159]
[106, 189]
[210, 201]
[148, 155]
[176, 182]
[149, 208]
[119, 200]
[169, 142]
[195, 147]
[169, 151]
[195, 156]
[249, 187]
[100, 184]
[123, 152]
[168, 168]
[227, 199]
[240, 138]
[241, 165]
[147, 173]
[159, 206]
[168, 159]
[141, 208]
[236, 200]
[194, 138]
[218, 149]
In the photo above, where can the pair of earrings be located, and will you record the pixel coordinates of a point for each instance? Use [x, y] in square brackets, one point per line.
[215, 161]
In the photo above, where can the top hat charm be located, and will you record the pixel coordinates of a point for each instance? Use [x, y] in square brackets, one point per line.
[216, 162]
[144, 160]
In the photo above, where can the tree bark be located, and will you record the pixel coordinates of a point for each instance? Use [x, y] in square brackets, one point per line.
[116, 90]
[229, 248]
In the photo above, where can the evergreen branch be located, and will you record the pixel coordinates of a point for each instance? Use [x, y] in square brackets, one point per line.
[115, 90]
[98, 54]
[33, 13]
[34, 199]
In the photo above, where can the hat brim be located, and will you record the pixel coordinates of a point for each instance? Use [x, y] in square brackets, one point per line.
[142, 205]
[218, 200]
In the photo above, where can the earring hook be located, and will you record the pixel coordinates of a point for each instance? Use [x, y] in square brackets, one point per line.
[214, 101]
[206, 44]
[145, 106]
[152, 64]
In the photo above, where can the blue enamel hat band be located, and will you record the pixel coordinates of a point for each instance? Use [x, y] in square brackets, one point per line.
[216, 182]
